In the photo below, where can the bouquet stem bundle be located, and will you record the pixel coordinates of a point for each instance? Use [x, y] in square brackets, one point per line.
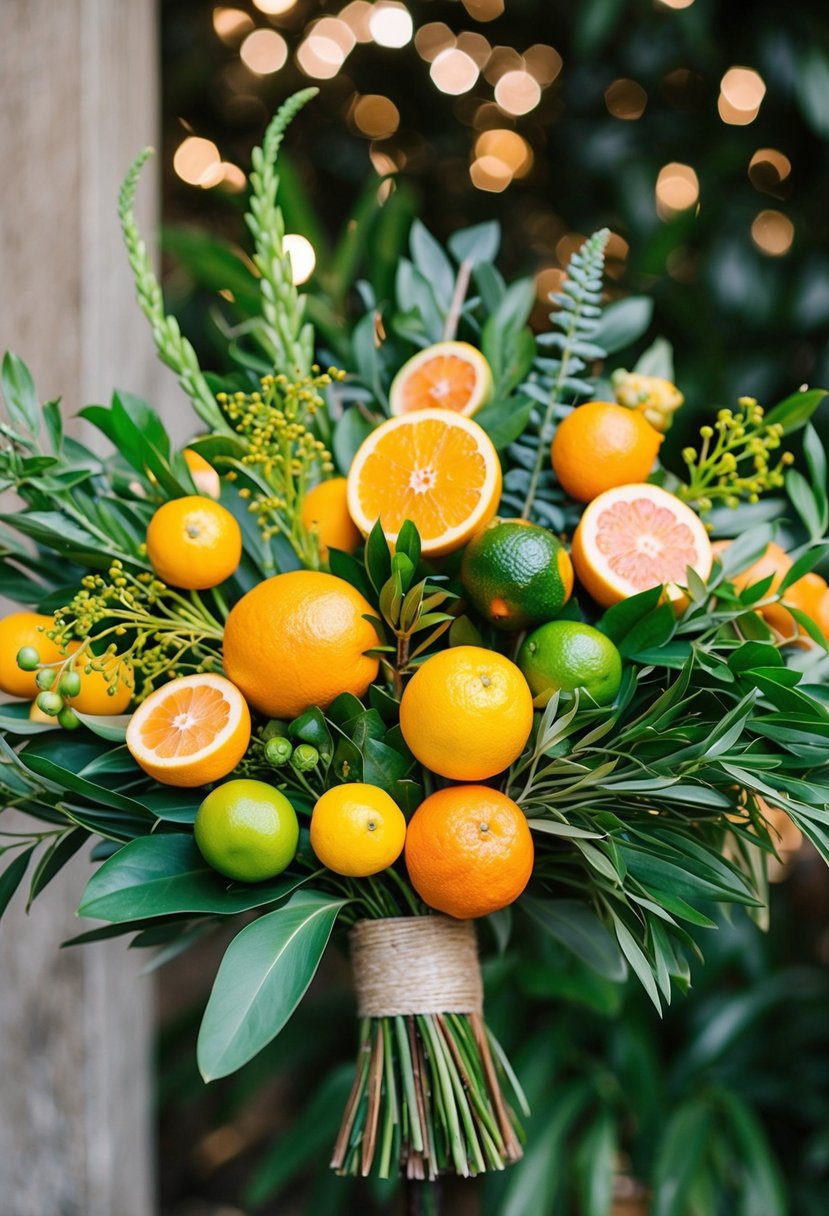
[427, 1094]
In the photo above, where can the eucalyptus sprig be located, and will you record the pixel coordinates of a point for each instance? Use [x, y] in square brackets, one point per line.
[287, 338]
[173, 348]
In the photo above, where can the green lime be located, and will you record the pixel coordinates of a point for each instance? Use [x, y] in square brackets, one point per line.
[247, 830]
[567, 655]
[516, 574]
[28, 658]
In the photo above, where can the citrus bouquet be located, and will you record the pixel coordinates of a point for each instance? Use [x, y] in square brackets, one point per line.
[424, 641]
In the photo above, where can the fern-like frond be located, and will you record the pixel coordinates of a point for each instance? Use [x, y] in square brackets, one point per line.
[172, 347]
[284, 333]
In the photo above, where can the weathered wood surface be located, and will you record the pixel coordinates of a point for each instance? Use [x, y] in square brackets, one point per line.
[79, 98]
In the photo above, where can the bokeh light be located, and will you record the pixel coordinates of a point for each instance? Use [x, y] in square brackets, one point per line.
[454, 71]
[484, 10]
[677, 189]
[772, 233]
[391, 24]
[301, 252]
[768, 169]
[508, 147]
[375, 116]
[517, 92]
[274, 8]
[356, 15]
[491, 174]
[232, 178]
[264, 52]
[741, 93]
[433, 38]
[197, 161]
[231, 24]
[625, 99]
[675, 3]
[475, 46]
[543, 62]
[320, 54]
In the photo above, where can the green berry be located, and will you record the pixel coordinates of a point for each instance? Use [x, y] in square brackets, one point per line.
[305, 758]
[45, 678]
[68, 719]
[278, 750]
[69, 684]
[28, 658]
[51, 703]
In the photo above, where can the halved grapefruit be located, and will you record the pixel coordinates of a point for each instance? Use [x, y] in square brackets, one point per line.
[635, 537]
[434, 467]
[193, 730]
[448, 376]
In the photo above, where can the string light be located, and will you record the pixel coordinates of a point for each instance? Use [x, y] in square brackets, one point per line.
[543, 62]
[320, 56]
[233, 178]
[502, 60]
[356, 15]
[768, 169]
[489, 173]
[391, 24]
[741, 94]
[772, 233]
[433, 38]
[375, 116]
[264, 52]
[231, 24]
[301, 253]
[454, 71]
[274, 8]
[475, 46]
[517, 92]
[507, 146]
[677, 189]
[484, 10]
[675, 3]
[196, 160]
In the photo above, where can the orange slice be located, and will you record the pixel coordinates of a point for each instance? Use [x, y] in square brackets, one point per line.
[436, 468]
[447, 376]
[193, 730]
[635, 537]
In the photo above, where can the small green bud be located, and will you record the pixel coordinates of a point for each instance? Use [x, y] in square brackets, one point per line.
[305, 757]
[69, 684]
[45, 678]
[689, 455]
[51, 703]
[707, 432]
[272, 729]
[28, 658]
[68, 719]
[278, 750]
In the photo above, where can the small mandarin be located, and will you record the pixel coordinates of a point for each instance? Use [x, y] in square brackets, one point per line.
[21, 630]
[466, 713]
[601, 445]
[194, 543]
[357, 830]
[469, 851]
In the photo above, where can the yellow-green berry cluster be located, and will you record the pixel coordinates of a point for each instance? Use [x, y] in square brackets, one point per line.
[284, 454]
[735, 460]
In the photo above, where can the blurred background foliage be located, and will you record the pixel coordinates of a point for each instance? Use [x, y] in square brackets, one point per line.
[698, 132]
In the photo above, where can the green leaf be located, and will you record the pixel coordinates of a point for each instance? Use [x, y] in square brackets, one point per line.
[795, 411]
[578, 928]
[262, 978]
[657, 360]
[596, 1166]
[408, 544]
[19, 394]
[638, 960]
[505, 420]
[623, 323]
[806, 503]
[12, 876]
[66, 780]
[501, 332]
[618, 621]
[480, 243]
[763, 1187]
[62, 850]
[351, 428]
[433, 264]
[680, 1155]
[312, 728]
[811, 85]
[378, 557]
[165, 874]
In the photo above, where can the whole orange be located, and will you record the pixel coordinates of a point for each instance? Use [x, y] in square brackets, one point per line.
[466, 713]
[107, 673]
[297, 640]
[325, 511]
[357, 829]
[17, 630]
[602, 445]
[469, 851]
[805, 594]
[194, 543]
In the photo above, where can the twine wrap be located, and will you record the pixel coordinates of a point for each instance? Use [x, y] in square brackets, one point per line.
[416, 964]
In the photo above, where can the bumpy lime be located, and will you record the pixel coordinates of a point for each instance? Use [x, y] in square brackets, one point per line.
[247, 830]
[566, 655]
[516, 574]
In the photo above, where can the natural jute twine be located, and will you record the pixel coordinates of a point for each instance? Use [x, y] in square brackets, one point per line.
[416, 964]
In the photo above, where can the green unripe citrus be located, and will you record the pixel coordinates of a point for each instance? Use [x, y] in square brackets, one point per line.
[278, 750]
[305, 757]
[566, 655]
[69, 684]
[516, 574]
[45, 678]
[28, 658]
[68, 719]
[247, 830]
[50, 702]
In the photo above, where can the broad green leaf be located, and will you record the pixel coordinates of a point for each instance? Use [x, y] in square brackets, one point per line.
[596, 1166]
[578, 928]
[796, 410]
[505, 420]
[12, 876]
[62, 850]
[623, 323]
[19, 395]
[351, 428]
[618, 621]
[657, 360]
[476, 244]
[164, 874]
[679, 1156]
[435, 267]
[262, 978]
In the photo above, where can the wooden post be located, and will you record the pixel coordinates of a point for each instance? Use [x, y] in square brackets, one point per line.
[79, 100]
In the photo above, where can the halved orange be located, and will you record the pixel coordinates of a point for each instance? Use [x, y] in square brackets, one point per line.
[434, 467]
[635, 537]
[447, 376]
[193, 730]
